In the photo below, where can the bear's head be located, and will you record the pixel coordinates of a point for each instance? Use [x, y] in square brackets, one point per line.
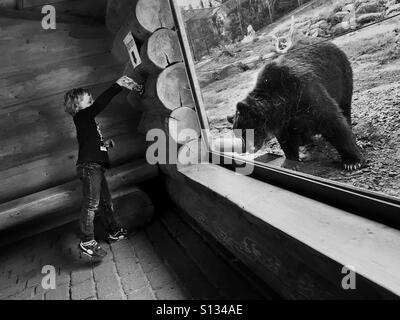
[253, 113]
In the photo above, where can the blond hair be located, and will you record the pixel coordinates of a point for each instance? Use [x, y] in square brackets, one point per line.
[71, 100]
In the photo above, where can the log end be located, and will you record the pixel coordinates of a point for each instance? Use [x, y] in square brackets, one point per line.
[153, 15]
[183, 125]
[161, 50]
[193, 152]
[173, 88]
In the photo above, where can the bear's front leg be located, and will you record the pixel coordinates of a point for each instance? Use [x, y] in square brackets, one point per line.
[289, 141]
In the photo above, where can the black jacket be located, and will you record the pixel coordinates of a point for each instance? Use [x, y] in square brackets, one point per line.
[91, 143]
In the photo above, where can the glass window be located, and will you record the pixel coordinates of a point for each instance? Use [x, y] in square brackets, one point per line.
[317, 81]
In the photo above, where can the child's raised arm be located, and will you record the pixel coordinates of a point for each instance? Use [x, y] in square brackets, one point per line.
[103, 100]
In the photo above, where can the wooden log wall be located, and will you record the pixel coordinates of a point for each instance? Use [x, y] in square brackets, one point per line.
[38, 147]
[59, 205]
[167, 103]
[89, 12]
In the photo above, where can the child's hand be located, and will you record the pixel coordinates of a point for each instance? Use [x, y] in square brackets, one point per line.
[131, 85]
[109, 144]
[125, 81]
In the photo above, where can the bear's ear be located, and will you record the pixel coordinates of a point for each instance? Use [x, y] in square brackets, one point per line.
[242, 106]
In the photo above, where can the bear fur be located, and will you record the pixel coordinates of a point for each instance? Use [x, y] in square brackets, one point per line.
[305, 92]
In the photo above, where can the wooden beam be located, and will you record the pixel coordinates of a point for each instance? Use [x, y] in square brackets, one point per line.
[48, 169]
[66, 199]
[134, 210]
[37, 3]
[92, 9]
[24, 14]
[39, 81]
[116, 13]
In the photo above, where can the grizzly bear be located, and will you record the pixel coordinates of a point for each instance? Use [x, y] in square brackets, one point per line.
[304, 92]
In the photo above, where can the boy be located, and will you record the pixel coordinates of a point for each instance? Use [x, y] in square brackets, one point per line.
[92, 163]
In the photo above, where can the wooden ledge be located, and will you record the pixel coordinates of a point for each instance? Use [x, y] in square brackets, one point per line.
[297, 244]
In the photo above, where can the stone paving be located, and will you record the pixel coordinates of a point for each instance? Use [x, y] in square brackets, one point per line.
[167, 260]
[131, 270]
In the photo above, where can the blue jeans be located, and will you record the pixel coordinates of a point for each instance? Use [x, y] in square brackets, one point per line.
[96, 195]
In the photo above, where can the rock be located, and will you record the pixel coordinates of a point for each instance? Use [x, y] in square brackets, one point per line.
[368, 17]
[368, 7]
[267, 56]
[391, 3]
[349, 8]
[360, 2]
[244, 66]
[340, 29]
[249, 63]
[334, 19]
[340, 15]
[393, 9]
[227, 53]
[226, 72]
[248, 38]
[303, 24]
[323, 24]
[317, 32]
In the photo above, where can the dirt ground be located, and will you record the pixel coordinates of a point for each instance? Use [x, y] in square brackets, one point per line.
[374, 53]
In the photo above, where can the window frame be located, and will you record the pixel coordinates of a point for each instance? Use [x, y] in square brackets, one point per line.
[368, 204]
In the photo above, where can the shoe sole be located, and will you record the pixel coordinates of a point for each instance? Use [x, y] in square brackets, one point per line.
[110, 239]
[91, 255]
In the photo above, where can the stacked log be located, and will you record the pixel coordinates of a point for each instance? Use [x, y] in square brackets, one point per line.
[167, 103]
[142, 17]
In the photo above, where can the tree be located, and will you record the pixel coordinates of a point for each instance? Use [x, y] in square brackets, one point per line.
[271, 8]
[239, 9]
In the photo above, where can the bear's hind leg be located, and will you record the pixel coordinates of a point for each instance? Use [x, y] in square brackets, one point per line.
[338, 132]
[347, 87]
[347, 112]
[334, 127]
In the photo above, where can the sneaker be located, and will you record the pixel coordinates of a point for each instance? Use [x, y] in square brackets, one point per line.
[92, 249]
[121, 234]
